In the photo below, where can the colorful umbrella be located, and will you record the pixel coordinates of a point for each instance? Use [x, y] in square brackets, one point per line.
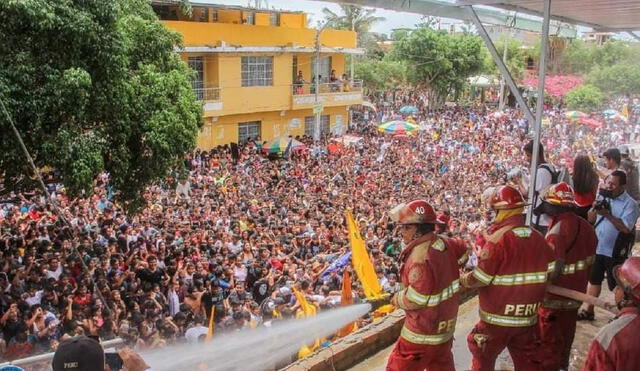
[574, 115]
[409, 110]
[398, 127]
[590, 122]
[280, 144]
[609, 112]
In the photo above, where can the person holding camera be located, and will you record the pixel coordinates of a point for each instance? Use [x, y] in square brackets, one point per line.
[615, 214]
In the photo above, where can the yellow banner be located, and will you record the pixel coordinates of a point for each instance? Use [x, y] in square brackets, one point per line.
[361, 262]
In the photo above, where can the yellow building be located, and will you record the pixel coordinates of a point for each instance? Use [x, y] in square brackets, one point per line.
[247, 63]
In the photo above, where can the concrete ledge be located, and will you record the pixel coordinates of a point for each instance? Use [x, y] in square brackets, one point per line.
[354, 347]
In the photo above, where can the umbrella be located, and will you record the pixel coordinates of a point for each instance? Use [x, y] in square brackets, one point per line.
[280, 144]
[590, 122]
[610, 112]
[409, 110]
[397, 127]
[574, 115]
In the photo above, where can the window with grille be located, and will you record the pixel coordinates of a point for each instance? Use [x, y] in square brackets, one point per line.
[257, 71]
[248, 130]
[197, 83]
[250, 18]
[274, 19]
[310, 121]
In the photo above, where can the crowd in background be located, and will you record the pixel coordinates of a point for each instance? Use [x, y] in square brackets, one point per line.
[235, 236]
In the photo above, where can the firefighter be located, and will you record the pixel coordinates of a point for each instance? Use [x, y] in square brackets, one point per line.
[573, 241]
[511, 275]
[430, 280]
[616, 346]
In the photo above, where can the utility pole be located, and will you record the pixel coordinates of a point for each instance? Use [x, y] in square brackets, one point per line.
[353, 28]
[318, 112]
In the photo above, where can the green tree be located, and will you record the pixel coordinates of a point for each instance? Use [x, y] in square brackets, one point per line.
[439, 62]
[354, 18]
[586, 98]
[382, 74]
[94, 86]
[516, 58]
[622, 79]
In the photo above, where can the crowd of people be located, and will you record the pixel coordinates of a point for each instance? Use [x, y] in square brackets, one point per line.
[235, 236]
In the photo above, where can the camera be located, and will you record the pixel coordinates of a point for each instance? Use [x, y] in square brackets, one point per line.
[602, 205]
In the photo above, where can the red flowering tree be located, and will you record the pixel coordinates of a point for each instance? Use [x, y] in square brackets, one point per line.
[555, 86]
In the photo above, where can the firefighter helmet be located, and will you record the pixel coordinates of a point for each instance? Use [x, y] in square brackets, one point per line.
[506, 197]
[628, 276]
[560, 194]
[414, 212]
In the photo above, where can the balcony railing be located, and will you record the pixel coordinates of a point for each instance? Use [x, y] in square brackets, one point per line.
[207, 94]
[328, 87]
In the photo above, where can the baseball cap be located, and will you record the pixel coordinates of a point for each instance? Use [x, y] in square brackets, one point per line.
[624, 150]
[80, 353]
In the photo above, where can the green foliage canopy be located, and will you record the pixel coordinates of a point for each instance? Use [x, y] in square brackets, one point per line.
[94, 86]
[585, 98]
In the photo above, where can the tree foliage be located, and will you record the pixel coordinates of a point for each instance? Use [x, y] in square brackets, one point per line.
[354, 18]
[381, 74]
[94, 86]
[619, 79]
[438, 61]
[584, 98]
[516, 58]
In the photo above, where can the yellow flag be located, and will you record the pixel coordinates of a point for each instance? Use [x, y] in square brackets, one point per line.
[211, 324]
[361, 262]
[625, 111]
[307, 310]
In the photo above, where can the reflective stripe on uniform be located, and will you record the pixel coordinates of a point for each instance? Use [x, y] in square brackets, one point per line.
[427, 339]
[520, 279]
[435, 299]
[578, 266]
[508, 321]
[481, 276]
[463, 258]
[522, 232]
[551, 266]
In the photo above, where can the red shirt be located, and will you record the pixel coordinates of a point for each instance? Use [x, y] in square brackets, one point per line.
[616, 346]
[513, 266]
[573, 240]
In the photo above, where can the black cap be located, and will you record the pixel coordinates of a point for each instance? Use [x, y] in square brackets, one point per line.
[78, 354]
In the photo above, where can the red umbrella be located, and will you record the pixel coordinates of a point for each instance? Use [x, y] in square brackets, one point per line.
[591, 122]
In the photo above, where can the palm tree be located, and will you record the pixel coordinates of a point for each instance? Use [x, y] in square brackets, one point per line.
[353, 17]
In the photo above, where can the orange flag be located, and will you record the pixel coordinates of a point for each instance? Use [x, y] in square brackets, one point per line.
[211, 324]
[346, 299]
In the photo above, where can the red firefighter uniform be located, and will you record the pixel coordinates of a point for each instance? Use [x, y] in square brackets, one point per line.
[430, 279]
[616, 346]
[512, 273]
[573, 241]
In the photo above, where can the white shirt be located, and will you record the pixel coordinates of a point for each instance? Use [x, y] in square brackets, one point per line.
[543, 180]
[194, 333]
[55, 274]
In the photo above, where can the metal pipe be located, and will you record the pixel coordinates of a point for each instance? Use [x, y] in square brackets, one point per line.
[501, 66]
[49, 356]
[539, 105]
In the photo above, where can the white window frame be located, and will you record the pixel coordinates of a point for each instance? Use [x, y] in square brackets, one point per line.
[256, 71]
[249, 129]
[310, 121]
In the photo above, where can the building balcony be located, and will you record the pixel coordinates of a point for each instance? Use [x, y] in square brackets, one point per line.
[329, 94]
[210, 97]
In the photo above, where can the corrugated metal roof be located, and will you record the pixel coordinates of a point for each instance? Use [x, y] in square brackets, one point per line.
[604, 15]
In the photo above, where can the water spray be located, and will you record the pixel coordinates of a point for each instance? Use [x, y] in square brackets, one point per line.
[261, 348]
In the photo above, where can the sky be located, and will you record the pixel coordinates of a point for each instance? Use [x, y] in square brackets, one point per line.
[314, 9]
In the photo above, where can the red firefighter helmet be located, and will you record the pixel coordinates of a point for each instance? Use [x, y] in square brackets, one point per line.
[414, 212]
[628, 276]
[506, 197]
[560, 194]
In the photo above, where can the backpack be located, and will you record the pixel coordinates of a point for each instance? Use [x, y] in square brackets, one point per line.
[558, 176]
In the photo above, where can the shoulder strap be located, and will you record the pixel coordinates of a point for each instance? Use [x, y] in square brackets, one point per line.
[554, 174]
[497, 235]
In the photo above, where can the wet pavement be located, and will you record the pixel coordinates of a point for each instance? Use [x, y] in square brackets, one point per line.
[468, 316]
